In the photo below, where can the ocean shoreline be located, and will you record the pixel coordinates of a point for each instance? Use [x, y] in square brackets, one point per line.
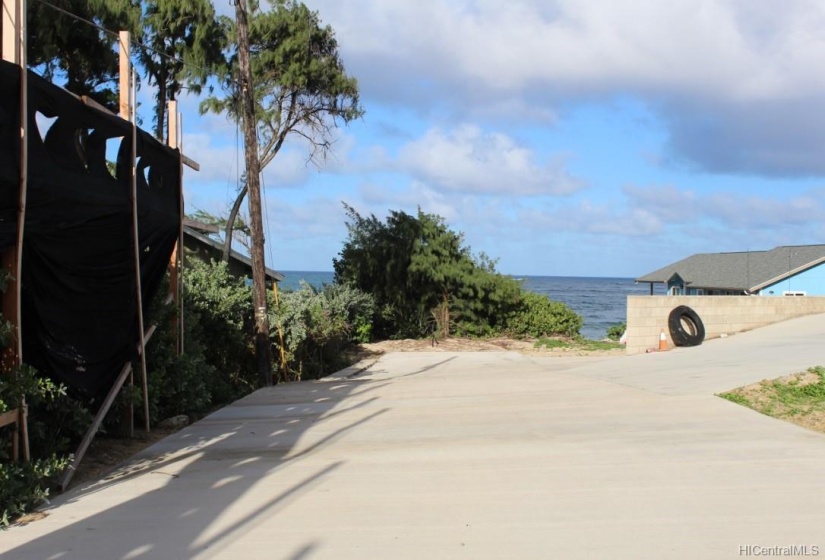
[600, 300]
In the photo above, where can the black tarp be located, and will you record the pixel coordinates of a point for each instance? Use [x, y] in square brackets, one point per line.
[79, 312]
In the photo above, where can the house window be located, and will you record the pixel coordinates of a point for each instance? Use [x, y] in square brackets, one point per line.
[676, 291]
[794, 293]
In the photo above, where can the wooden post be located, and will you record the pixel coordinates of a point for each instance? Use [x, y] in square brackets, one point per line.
[67, 475]
[136, 236]
[14, 22]
[176, 263]
[124, 44]
[125, 90]
[14, 50]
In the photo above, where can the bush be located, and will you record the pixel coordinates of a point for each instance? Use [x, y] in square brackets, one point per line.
[317, 325]
[537, 316]
[424, 278]
[53, 420]
[220, 306]
[23, 486]
[616, 331]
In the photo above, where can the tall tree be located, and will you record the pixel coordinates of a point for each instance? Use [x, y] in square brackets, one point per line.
[70, 50]
[185, 44]
[422, 275]
[300, 85]
[253, 187]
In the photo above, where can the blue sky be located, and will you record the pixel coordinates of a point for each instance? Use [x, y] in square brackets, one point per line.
[570, 137]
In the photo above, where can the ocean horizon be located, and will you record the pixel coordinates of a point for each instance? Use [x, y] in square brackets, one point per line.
[600, 300]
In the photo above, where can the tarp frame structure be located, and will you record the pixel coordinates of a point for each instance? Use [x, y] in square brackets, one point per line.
[80, 278]
[13, 24]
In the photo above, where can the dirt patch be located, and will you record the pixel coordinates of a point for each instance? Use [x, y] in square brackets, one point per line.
[798, 398]
[527, 347]
[106, 453]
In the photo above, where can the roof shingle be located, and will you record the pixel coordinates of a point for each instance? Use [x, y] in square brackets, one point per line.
[746, 271]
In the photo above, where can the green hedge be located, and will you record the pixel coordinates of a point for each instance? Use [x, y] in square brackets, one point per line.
[537, 316]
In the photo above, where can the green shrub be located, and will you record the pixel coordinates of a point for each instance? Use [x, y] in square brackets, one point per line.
[616, 331]
[317, 325]
[221, 307]
[537, 316]
[53, 420]
[424, 278]
[23, 486]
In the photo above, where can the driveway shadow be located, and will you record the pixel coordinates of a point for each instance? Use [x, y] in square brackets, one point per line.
[207, 485]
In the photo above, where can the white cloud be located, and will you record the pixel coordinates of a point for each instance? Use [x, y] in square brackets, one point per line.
[734, 80]
[738, 48]
[417, 195]
[668, 203]
[224, 164]
[468, 159]
[218, 164]
[732, 210]
[590, 218]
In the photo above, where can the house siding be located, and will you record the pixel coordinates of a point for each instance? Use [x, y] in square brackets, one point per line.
[811, 281]
[676, 286]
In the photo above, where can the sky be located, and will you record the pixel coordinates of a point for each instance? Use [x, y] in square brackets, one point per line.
[563, 138]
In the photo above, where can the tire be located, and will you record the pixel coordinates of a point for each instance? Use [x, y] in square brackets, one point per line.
[686, 328]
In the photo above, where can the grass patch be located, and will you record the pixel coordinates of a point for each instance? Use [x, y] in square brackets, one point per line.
[582, 344]
[737, 398]
[798, 398]
[552, 343]
[587, 344]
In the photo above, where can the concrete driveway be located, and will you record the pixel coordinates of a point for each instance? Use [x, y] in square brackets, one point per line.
[477, 455]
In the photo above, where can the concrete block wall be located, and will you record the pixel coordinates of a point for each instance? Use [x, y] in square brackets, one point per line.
[647, 315]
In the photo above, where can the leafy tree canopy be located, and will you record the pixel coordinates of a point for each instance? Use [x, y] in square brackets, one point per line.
[300, 85]
[423, 277]
[86, 56]
[185, 43]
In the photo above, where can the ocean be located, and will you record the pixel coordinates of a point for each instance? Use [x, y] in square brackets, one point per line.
[602, 302]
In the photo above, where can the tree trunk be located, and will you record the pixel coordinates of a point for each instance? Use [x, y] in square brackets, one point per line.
[253, 186]
[230, 224]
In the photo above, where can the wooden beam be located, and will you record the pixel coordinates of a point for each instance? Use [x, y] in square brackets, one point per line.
[14, 50]
[67, 475]
[13, 25]
[173, 137]
[92, 431]
[124, 48]
[175, 263]
[94, 104]
[200, 226]
[136, 245]
[8, 417]
[190, 163]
